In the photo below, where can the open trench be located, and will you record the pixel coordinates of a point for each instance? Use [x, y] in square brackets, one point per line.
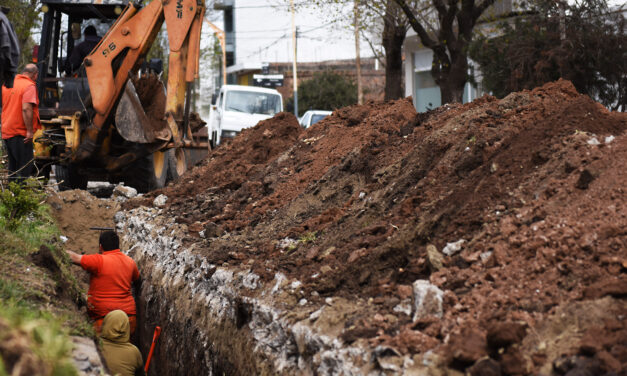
[211, 324]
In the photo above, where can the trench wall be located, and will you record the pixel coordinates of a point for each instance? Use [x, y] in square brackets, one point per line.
[210, 323]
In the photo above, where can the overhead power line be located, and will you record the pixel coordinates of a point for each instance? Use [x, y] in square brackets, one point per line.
[270, 6]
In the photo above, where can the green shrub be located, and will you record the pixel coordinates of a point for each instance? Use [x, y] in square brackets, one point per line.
[19, 201]
[326, 90]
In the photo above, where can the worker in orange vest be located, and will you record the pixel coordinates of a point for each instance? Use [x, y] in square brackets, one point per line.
[112, 274]
[20, 121]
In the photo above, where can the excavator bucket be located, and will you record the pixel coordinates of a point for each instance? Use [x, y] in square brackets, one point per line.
[138, 120]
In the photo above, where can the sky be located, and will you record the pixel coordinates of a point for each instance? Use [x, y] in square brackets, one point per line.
[263, 33]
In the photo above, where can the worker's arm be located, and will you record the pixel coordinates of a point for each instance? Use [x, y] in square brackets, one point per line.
[27, 116]
[75, 257]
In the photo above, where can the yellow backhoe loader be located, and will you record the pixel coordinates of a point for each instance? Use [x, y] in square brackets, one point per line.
[106, 121]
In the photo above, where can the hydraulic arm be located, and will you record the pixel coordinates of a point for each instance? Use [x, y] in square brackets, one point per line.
[119, 54]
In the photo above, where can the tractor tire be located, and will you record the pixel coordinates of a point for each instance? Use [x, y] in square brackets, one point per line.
[214, 139]
[68, 177]
[177, 163]
[148, 173]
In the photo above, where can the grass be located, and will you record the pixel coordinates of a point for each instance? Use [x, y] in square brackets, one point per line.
[40, 336]
[32, 314]
[305, 238]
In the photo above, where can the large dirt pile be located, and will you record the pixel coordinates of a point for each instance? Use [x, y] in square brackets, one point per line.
[514, 208]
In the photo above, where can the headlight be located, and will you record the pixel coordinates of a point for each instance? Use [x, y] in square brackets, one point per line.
[229, 134]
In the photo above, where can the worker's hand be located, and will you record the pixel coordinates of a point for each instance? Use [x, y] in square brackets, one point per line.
[29, 137]
[75, 257]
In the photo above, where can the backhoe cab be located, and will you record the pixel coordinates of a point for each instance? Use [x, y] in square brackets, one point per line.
[103, 120]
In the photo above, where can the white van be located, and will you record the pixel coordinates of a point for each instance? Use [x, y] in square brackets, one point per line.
[238, 107]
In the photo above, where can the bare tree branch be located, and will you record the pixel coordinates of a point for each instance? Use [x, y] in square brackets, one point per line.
[417, 26]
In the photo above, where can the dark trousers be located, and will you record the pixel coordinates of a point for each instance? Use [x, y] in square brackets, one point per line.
[20, 158]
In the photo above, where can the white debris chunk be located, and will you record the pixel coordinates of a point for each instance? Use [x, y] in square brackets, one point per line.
[453, 248]
[280, 279]
[403, 307]
[160, 200]
[609, 139]
[294, 285]
[427, 300]
[124, 191]
[593, 141]
[251, 281]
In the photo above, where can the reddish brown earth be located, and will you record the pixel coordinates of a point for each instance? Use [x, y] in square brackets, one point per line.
[540, 205]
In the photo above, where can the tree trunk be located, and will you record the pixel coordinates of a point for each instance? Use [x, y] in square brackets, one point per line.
[451, 92]
[393, 38]
[450, 75]
[360, 90]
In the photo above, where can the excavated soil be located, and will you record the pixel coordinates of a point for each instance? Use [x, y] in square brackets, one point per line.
[76, 212]
[530, 188]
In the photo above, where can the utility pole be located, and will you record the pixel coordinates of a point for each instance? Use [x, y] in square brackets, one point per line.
[360, 91]
[294, 39]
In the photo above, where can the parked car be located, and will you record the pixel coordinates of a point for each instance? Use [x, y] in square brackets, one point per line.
[311, 117]
[239, 107]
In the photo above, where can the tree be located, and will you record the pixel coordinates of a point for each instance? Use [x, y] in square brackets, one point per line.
[583, 42]
[324, 91]
[448, 38]
[395, 26]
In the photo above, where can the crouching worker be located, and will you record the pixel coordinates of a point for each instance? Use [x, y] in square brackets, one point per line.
[121, 356]
[112, 274]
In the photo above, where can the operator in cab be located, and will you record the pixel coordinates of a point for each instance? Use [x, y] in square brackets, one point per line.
[82, 50]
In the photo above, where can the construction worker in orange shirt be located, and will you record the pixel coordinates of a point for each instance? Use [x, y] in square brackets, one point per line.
[112, 274]
[20, 121]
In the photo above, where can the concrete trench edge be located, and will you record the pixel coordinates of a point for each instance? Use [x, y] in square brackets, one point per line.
[174, 277]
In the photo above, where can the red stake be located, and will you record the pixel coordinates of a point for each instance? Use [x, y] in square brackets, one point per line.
[152, 347]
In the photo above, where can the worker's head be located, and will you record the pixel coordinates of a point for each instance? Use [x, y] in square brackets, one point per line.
[116, 327]
[91, 31]
[109, 241]
[31, 71]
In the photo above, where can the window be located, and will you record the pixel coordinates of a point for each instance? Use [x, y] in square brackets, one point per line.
[317, 118]
[253, 102]
[305, 120]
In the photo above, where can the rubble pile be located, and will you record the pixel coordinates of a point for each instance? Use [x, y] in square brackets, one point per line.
[486, 238]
